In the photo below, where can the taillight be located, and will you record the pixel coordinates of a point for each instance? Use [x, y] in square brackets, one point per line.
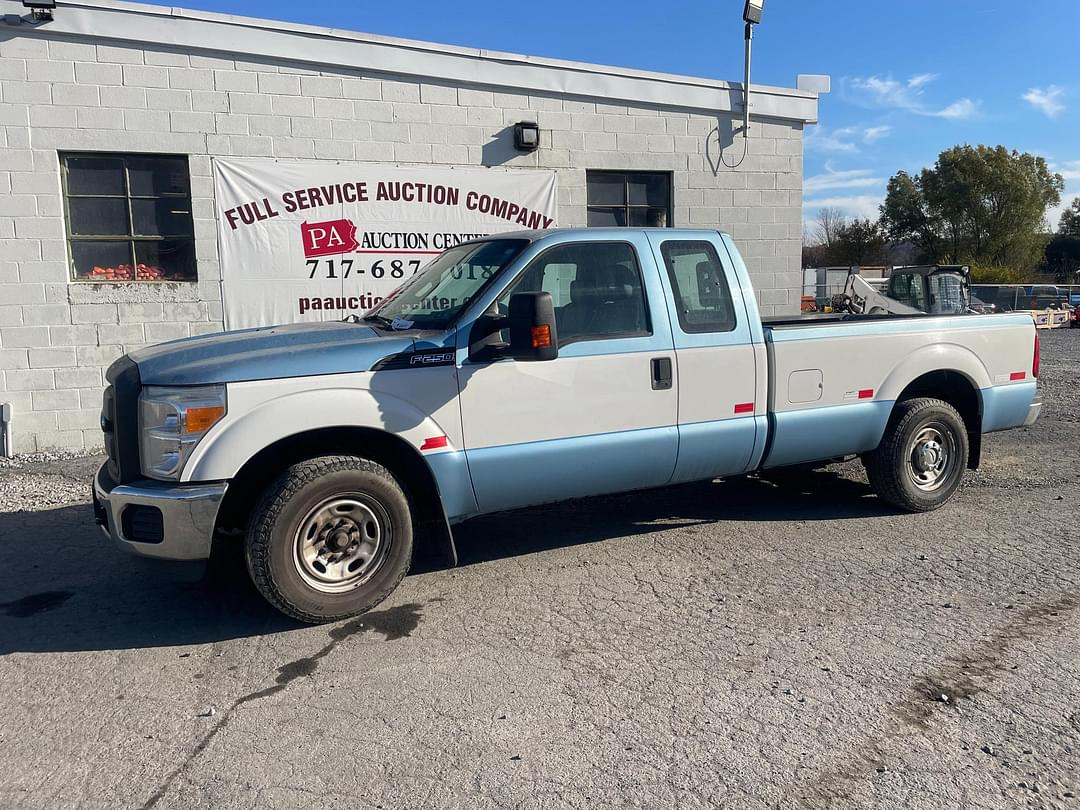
[1035, 358]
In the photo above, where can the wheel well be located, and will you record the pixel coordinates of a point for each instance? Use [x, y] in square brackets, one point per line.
[956, 389]
[392, 452]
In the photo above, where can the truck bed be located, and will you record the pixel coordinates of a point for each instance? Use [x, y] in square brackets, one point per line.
[833, 378]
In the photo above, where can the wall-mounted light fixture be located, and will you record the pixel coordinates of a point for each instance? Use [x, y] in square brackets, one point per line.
[751, 16]
[40, 10]
[526, 136]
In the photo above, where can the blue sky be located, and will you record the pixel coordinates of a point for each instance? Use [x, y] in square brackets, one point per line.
[909, 78]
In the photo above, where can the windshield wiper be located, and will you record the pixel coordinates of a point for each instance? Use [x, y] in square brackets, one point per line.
[382, 320]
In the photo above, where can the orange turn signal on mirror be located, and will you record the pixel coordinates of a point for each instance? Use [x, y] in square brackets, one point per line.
[541, 337]
[198, 420]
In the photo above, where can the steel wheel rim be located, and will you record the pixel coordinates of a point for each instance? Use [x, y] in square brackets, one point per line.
[932, 457]
[341, 543]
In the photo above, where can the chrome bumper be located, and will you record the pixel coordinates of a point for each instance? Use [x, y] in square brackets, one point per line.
[188, 514]
[1033, 412]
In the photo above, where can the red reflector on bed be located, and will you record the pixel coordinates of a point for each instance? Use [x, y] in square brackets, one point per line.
[1018, 375]
[866, 393]
[744, 407]
[433, 443]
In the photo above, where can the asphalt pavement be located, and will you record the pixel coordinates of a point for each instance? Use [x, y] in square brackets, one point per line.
[749, 643]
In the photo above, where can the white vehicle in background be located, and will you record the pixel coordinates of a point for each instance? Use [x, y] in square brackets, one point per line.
[522, 369]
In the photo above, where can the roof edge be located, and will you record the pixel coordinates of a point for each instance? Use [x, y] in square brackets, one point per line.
[190, 29]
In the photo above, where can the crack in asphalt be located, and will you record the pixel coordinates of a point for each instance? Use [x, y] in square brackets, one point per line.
[930, 694]
[394, 623]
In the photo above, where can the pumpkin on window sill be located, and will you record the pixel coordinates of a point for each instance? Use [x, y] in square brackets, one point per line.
[124, 272]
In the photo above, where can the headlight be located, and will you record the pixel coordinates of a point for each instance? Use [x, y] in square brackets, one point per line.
[171, 423]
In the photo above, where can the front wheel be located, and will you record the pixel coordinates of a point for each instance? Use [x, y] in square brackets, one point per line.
[330, 538]
[922, 456]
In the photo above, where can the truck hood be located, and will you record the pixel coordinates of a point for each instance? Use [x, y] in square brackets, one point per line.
[272, 352]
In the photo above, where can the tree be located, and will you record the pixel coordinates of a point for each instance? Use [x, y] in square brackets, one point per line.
[905, 216]
[830, 221]
[1063, 257]
[977, 204]
[858, 243]
[1069, 224]
[815, 255]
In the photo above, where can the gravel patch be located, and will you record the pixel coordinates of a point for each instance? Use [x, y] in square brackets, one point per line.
[38, 481]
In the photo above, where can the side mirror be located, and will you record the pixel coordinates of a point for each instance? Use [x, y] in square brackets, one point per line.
[533, 335]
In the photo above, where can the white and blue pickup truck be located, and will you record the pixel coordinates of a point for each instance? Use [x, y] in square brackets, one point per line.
[521, 369]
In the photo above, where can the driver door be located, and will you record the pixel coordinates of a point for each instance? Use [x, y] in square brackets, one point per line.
[602, 416]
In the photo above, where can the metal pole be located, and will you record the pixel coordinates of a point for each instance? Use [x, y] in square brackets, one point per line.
[5, 422]
[749, 37]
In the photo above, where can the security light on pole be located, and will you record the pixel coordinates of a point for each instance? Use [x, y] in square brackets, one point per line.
[751, 16]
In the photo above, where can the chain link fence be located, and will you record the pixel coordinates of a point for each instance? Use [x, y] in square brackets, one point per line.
[1011, 297]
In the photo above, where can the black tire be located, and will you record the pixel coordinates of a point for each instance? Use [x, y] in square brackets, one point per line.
[894, 467]
[301, 497]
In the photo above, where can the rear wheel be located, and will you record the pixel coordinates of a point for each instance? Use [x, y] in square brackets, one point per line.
[330, 538]
[922, 456]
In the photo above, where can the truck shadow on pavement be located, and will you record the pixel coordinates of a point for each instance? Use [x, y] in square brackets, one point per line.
[63, 587]
[780, 495]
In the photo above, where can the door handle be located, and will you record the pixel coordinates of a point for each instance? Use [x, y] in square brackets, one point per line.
[661, 373]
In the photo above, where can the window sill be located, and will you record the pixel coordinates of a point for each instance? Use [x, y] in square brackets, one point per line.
[132, 292]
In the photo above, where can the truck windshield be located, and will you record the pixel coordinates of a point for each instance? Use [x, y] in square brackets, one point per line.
[433, 298]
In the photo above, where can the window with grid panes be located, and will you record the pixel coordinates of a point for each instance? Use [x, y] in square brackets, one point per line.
[629, 199]
[129, 217]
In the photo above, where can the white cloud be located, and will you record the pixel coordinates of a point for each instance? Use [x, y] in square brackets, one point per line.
[848, 178]
[960, 109]
[885, 91]
[1046, 100]
[871, 134]
[821, 139]
[915, 82]
[1069, 169]
[863, 206]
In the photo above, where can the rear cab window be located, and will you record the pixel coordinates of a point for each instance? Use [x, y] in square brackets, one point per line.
[702, 298]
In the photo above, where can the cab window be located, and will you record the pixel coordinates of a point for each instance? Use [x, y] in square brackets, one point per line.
[907, 288]
[702, 298]
[596, 288]
[947, 294]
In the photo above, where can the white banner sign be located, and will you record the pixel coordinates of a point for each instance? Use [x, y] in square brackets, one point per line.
[317, 240]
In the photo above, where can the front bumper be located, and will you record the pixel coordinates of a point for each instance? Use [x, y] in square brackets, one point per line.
[188, 513]
[1033, 412]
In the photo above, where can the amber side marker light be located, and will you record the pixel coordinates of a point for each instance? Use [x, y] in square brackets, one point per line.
[198, 420]
[541, 337]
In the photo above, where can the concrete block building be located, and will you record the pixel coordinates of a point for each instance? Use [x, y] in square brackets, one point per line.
[152, 94]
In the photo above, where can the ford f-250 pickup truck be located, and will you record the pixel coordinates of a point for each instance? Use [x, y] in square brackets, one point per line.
[521, 369]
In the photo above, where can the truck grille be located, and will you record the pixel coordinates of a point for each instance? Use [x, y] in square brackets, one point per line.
[108, 429]
[120, 420]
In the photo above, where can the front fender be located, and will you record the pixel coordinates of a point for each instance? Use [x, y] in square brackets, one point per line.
[254, 422]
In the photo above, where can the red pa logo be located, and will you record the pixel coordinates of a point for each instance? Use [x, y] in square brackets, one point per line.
[328, 238]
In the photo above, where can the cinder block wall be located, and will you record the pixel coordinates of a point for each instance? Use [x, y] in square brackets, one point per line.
[58, 336]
